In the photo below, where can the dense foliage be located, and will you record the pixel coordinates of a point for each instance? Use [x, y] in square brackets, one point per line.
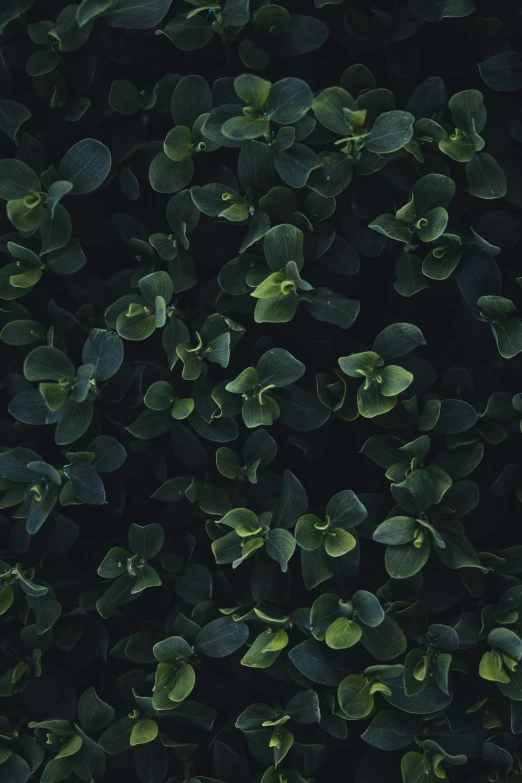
[262, 396]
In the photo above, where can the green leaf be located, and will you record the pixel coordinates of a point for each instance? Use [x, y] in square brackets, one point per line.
[146, 540]
[414, 768]
[458, 551]
[441, 266]
[137, 14]
[191, 98]
[88, 486]
[359, 364]
[47, 364]
[116, 739]
[242, 128]
[491, 668]
[124, 97]
[391, 227]
[67, 259]
[395, 380]
[14, 464]
[114, 563]
[236, 12]
[290, 99]
[54, 394]
[245, 381]
[70, 747]
[459, 148]
[278, 368]
[437, 221]
[270, 287]
[468, 111]
[416, 493]
[368, 608]
[93, 713]
[221, 638]
[391, 131]
[86, 164]
[84, 376]
[310, 658]
[254, 717]
[189, 34]
[17, 180]
[276, 310]
[282, 244]
[285, 741]
[431, 12]
[342, 633]
[503, 71]
[150, 424]
[386, 641]
[397, 340]
[12, 117]
[240, 517]
[391, 730]
[178, 143]
[15, 769]
[485, 177]
[295, 164]
[303, 35]
[25, 218]
[507, 641]
[509, 337]
[248, 548]
[46, 610]
[430, 191]
[271, 19]
[326, 305]
[252, 89]
[406, 559]
[307, 535]
[280, 546]
[304, 707]
[7, 597]
[355, 698]
[170, 176]
[396, 531]
[175, 648]
[175, 683]
[104, 350]
[455, 416]
[338, 542]
[58, 769]
[26, 279]
[265, 649]
[333, 175]
[159, 396]
[371, 402]
[329, 108]
[143, 731]
[182, 408]
[55, 229]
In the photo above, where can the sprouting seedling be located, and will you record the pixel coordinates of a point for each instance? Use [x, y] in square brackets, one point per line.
[383, 382]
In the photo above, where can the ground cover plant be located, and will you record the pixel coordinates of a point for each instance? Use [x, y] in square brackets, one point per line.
[261, 388]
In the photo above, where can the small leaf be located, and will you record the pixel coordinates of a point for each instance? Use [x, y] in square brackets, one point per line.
[354, 696]
[86, 165]
[221, 638]
[88, 486]
[391, 131]
[342, 633]
[485, 177]
[143, 731]
[503, 71]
